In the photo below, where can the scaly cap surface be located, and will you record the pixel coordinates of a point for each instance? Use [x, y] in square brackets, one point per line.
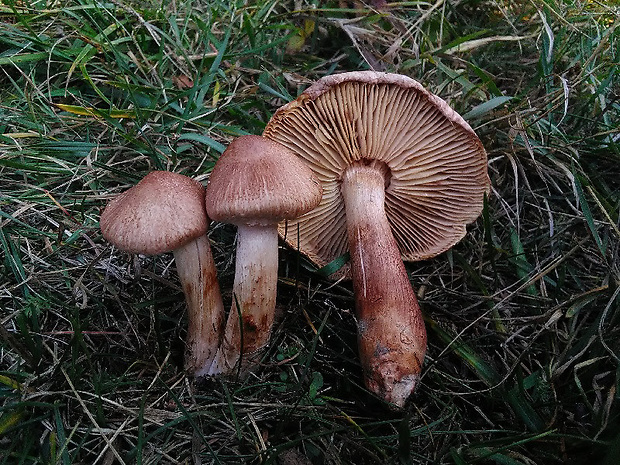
[258, 181]
[163, 212]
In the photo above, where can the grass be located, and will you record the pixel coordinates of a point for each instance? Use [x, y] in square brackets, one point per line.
[523, 314]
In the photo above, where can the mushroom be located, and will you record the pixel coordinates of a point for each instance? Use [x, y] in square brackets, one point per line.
[254, 185]
[165, 212]
[402, 174]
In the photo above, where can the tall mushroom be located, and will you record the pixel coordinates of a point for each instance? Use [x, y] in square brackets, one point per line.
[402, 175]
[165, 212]
[254, 185]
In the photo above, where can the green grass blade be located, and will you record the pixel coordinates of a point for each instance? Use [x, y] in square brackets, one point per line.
[486, 107]
[587, 213]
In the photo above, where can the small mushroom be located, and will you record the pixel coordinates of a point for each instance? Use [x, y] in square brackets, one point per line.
[165, 212]
[402, 175]
[255, 184]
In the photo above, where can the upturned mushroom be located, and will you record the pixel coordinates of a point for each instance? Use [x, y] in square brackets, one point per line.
[165, 212]
[254, 185]
[402, 176]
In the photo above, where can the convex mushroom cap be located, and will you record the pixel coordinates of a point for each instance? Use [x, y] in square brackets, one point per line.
[437, 167]
[163, 212]
[257, 181]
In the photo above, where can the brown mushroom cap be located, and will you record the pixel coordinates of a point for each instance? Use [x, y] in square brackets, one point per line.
[437, 167]
[161, 213]
[258, 181]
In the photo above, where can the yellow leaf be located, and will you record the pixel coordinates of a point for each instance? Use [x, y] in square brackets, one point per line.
[295, 43]
[216, 93]
[95, 112]
[308, 27]
[8, 420]
[10, 382]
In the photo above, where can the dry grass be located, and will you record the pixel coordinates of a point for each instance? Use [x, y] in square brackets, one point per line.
[523, 314]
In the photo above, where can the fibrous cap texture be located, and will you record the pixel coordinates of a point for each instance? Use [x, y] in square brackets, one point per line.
[258, 181]
[437, 167]
[163, 212]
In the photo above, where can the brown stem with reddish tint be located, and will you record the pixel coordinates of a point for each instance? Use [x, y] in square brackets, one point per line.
[254, 290]
[391, 332]
[197, 274]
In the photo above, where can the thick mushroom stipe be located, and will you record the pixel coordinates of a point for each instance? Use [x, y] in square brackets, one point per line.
[254, 299]
[391, 333]
[198, 277]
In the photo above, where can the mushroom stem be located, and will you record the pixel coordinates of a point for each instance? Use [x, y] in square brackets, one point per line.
[391, 332]
[197, 274]
[254, 290]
